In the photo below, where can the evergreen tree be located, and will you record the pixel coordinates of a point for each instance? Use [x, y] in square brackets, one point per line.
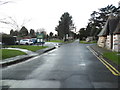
[51, 34]
[11, 32]
[23, 31]
[98, 19]
[16, 33]
[82, 33]
[32, 33]
[65, 23]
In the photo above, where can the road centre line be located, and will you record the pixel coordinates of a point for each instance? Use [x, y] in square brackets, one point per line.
[108, 66]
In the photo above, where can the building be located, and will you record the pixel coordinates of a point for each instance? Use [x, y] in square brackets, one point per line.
[109, 37]
[116, 38]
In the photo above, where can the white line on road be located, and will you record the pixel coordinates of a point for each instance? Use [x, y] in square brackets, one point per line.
[31, 83]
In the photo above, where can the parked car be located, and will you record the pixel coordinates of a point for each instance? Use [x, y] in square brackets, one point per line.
[17, 42]
[34, 40]
[26, 41]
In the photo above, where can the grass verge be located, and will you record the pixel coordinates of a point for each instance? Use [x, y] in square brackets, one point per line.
[113, 56]
[7, 53]
[59, 41]
[84, 42]
[28, 47]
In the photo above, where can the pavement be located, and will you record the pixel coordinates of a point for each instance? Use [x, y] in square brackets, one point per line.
[52, 44]
[99, 50]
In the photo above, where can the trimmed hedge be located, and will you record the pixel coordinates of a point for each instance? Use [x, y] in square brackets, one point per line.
[8, 40]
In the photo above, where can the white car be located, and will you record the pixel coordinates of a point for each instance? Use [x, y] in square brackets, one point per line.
[26, 41]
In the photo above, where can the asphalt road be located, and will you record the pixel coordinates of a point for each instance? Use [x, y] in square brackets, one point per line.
[69, 66]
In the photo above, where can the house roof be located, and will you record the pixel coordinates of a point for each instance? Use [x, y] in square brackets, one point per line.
[104, 30]
[111, 26]
[117, 30]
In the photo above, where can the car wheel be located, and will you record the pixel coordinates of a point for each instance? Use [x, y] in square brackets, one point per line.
[26, 43]
[16, 43]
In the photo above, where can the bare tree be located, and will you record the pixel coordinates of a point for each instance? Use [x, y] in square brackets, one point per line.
[12, 22]
[25, 21]
[41, 30]
[2, 2]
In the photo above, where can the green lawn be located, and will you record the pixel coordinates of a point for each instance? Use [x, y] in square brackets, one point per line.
[7, 53]
[59, 41]
[114, 56]
[84, 42]
[28, 47]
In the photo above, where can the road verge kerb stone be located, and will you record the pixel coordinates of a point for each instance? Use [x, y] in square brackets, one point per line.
[22, 58]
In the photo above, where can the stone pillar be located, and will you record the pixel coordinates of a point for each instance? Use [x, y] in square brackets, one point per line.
[108, 42]
[116, 43]
[101, 41]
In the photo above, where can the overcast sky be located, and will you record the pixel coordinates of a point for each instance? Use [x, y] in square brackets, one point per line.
[46, 13]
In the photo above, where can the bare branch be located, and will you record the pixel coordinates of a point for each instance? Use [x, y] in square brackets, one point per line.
[12, 22]
[4, 2]
[25, 21]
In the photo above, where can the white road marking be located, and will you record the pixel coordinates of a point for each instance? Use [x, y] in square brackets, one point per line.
[32, 83]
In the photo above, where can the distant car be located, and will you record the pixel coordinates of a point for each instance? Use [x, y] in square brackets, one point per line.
[1, 43]
[34, 40]
[17, 42]
[26, 41]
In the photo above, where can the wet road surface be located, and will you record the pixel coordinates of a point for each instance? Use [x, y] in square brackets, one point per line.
[70, 66]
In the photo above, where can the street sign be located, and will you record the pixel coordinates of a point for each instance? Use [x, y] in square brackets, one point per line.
[40, 36]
